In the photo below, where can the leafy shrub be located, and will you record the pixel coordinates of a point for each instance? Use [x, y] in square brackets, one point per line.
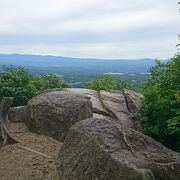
[107, 83]
[20, 84]
[161, 106]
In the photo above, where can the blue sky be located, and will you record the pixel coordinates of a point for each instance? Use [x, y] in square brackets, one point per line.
[90, 28]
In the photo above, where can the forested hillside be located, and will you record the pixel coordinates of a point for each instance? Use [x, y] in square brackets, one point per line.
[78, 71]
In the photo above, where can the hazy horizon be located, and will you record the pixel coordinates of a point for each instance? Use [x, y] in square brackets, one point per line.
[93, 58]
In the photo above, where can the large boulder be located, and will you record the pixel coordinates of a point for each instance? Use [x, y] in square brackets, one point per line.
[17, 114]
[120, 106]
[100, 149]
[53, 113]
[93, 96]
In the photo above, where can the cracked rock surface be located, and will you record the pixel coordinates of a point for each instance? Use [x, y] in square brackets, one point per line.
[101, 149]
[118, 106]
[53, 112]
[103, 139]
[111, 145]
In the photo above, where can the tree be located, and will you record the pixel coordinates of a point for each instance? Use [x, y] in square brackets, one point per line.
[178, 35]
[4, 122]
[161, 106]
[20, 84]
[107, 83]
[179, 43]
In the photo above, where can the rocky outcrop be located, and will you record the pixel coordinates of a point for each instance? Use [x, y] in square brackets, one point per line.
[133, 102]
[105, 150]
[94, 96]
[17, 114]
[116, 104]
[53, 113]
[119, 106]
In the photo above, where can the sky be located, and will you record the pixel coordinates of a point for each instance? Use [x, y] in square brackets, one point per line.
[108, 29]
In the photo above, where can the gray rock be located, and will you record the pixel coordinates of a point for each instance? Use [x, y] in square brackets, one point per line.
[53, 113]
[17, 114]
[94, 98]
[99, 149]
[133, 101]
[115, 102]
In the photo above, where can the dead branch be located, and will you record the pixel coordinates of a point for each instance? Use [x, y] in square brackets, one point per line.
[4, 122]
[33, 151]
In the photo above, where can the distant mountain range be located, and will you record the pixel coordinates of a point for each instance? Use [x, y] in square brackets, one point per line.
[80, 70]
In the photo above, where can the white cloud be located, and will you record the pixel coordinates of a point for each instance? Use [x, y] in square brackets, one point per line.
[92, 28]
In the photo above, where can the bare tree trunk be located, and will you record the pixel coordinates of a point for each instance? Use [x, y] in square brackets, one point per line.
[4, 122]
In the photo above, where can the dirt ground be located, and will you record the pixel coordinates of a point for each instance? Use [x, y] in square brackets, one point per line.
[18, 162]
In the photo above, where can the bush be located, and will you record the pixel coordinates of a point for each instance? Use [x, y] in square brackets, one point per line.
[20, 84]
[161, 106]
[107, 83]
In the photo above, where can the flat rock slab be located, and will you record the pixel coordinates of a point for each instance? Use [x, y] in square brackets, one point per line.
[104, 150]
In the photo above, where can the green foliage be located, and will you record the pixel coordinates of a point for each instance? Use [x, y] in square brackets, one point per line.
[179, 43]
[21, 85]
[107, 83]
[161, 106]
